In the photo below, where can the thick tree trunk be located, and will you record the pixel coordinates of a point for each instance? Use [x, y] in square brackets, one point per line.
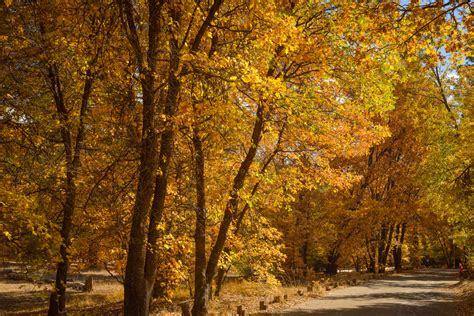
[331, 267]
[370, 255]
[143, 261]
[136, 297]
[387, 242]
[137, 291]
[164, 160]
[356, 263]
[397, 249]
[381, 248]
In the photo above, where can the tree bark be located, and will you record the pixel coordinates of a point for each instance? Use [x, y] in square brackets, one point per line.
[385, 251]
[136, 293]
[331, 267]
[142, 261]
[232, 205]
[222, 271]
[164, 160]
[73, 157]
[371, 261]
[201, 290]
[136, 298]
[397, 249]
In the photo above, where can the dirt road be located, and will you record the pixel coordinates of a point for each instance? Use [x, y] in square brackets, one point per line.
[425, 293]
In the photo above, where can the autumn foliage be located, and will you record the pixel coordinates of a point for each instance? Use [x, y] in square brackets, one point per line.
[174, 142]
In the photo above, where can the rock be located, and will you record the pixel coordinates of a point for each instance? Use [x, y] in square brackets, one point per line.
[48, 279]
[78, 286]
[15, 276]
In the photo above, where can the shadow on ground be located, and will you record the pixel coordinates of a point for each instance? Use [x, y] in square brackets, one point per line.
[422, 293]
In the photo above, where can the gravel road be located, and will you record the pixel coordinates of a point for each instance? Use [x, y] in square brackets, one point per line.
[424, 293]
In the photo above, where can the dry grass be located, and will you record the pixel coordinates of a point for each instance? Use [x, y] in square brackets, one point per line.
[24, 297]
[465, 296]
[249, 295]
[105, 292]
[19, 297]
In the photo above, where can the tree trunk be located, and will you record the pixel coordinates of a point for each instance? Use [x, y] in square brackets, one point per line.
[331, 267]
[397, 249]
[387, 242]
[136, 298]
[304, 255]
[232, 205]
[356, 263]
[220, 280]
[371, 261]
[201, 290]
[164, 160]
[137, 290]
[73, 158]
[61, 272]
[143, 261]
[415, 251]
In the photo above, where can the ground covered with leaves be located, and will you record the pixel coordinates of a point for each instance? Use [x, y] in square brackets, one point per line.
[27, 293]
[465, 296]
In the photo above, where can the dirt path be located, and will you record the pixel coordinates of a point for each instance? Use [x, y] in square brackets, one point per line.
[423, 293]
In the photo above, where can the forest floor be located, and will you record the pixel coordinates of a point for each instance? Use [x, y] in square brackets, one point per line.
[21, 295]
[27, 293]
[465, 298]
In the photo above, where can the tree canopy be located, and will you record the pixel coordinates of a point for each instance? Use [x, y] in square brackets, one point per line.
[173, 141]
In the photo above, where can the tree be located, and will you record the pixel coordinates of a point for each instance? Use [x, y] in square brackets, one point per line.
[69, 62]
[160, 91]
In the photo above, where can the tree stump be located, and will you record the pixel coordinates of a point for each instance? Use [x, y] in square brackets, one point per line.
[53, 304]
[241, 311]
[185, 308]
[263, 306]
[88, 286]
